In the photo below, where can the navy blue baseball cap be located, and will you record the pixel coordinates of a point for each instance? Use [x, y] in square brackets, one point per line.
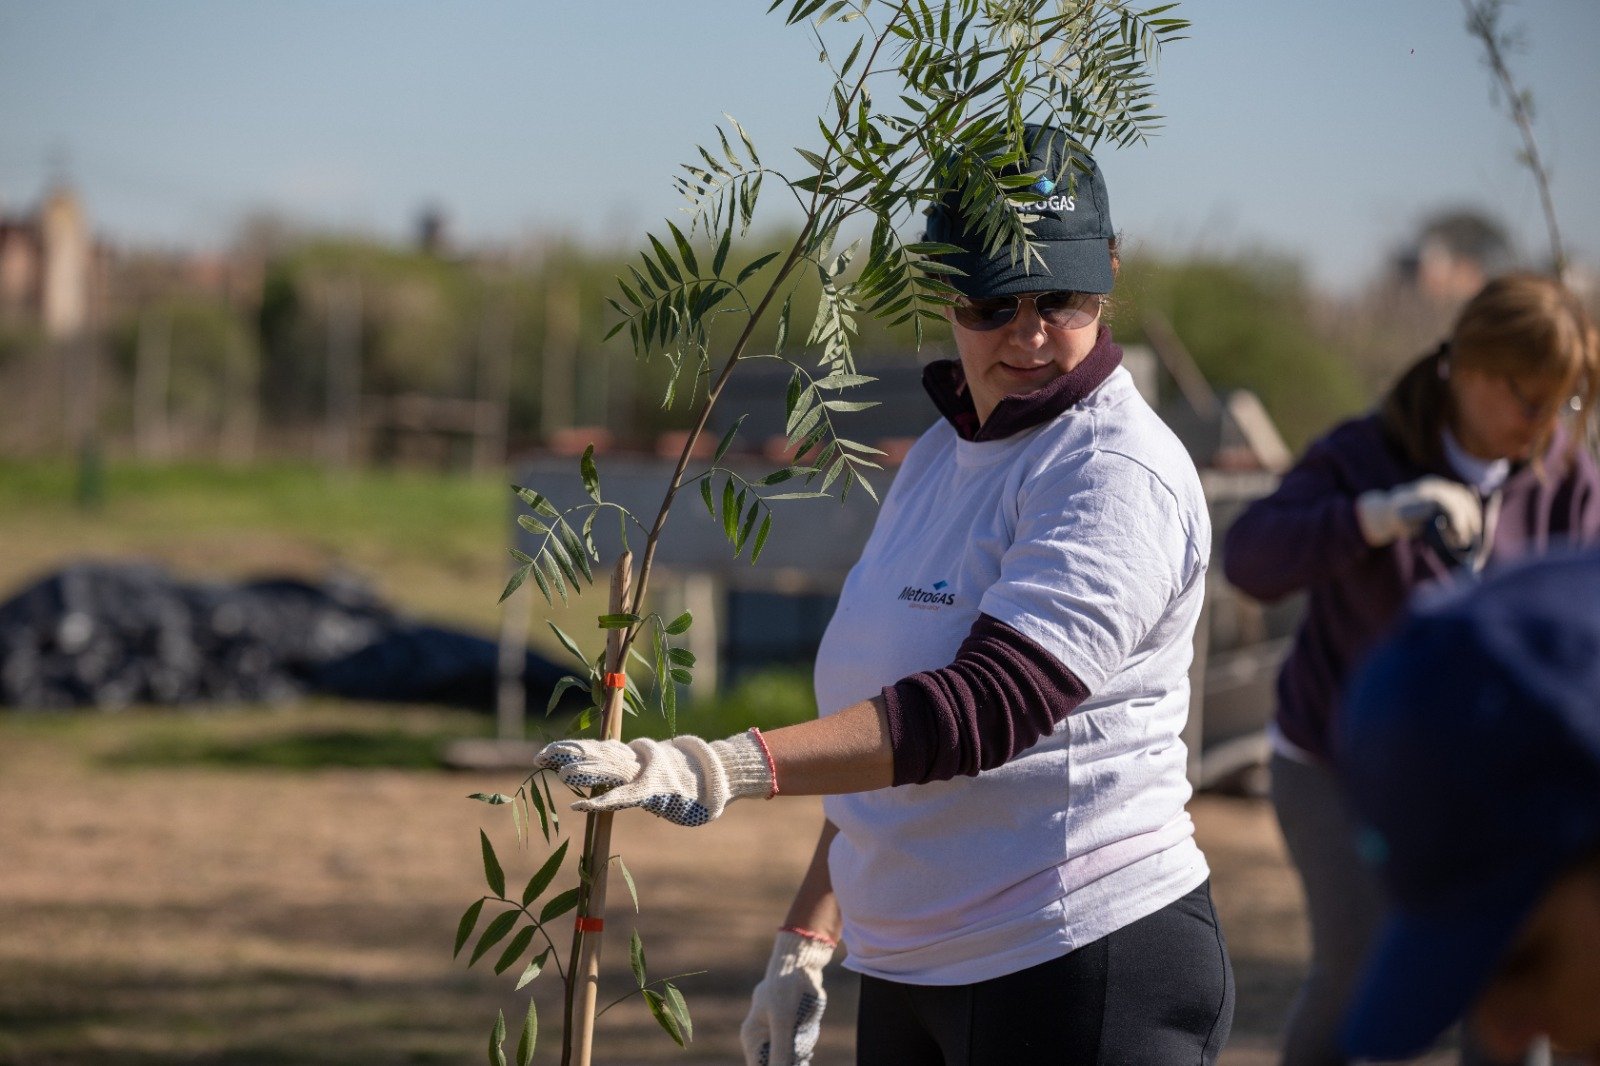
[1069, 223]
[1470, 750]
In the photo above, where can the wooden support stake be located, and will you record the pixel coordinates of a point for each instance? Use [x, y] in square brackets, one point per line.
[597, 853]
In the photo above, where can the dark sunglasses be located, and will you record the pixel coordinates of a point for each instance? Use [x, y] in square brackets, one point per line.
[1065, 310]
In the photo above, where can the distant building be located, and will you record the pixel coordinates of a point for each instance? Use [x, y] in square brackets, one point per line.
[47, 266]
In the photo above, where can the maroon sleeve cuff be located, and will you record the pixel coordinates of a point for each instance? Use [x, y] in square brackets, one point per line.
[1000, 695]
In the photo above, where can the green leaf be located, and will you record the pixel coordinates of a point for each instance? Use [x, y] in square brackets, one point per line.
[669, 704]
[680, 624]
[491, 867]
[749, 524]
[549, 805]
[497, 1040]
[547, 568]
[559, 905]
[778, 477]
[783, 329]
[575, 552]
[469, 921]
[681, 656]
[750, 269]
[517, 578]
[681, 676]
[685, 251]
[664, 257]
[547, 872]
[633, 890]
[617, 621]
[841, 380]
[494, 799]
[727, 440]
[494, 933]
[543, 583]
[514, 950]
[663, 1016]
[796, 496]
[761, 538]
[591, 476]
[532, 525]
[721, 258]
[568, 643]
[538, 804]
[561, 571]
[810, 418]
[561, 687]
[705, 494]
[866, 486]
[730, 514]
[636, 957]
[530, 1035]
[533, 969]
[679, 1009]
[792, 397]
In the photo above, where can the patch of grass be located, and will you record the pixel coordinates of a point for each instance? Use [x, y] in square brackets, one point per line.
[315, 735]
[310, 750]
[766, 700]
[391, 506]
[434, 546]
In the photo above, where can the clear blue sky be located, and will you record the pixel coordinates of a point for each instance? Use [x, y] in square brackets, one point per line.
[1316, 128]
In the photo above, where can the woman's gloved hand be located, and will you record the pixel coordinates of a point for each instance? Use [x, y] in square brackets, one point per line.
[1386, 515]
[785, 1016]
[684, 780]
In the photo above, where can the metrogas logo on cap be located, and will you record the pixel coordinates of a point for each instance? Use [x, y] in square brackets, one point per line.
[920, 597]
[1047, 202]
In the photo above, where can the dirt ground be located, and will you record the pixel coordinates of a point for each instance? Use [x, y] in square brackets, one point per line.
[254, 917]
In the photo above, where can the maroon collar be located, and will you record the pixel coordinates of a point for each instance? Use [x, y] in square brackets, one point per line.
[947, 385]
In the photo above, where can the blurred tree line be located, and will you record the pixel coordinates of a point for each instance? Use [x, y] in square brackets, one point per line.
[297, 336]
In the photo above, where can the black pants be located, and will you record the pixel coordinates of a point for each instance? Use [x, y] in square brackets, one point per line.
[1158, 992]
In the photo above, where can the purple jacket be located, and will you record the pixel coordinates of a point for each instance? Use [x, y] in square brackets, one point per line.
[1305, 536]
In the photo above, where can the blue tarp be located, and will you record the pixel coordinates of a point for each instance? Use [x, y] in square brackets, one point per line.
[110, 635]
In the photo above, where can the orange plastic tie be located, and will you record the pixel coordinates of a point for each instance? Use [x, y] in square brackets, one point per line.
[590, 925]
[616, 681]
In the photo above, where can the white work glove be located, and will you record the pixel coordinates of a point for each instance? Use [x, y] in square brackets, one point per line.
[785, 1016]
[684, 780]
[1386, 515]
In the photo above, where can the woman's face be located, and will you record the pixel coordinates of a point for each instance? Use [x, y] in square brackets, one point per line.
[1549, 982]
[1501, 416]
[1025, 354]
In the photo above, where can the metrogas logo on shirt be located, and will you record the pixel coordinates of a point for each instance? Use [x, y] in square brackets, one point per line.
[926, 600]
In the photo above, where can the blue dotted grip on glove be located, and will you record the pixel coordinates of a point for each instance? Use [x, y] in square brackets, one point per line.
[679, 809]
[556, 760]
[807, 1031]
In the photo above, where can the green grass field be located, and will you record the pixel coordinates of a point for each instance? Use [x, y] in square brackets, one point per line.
[432, 545]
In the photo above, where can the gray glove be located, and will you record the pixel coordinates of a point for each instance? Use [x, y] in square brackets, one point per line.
[684, 780]
[1386, 515]
[785, 1016]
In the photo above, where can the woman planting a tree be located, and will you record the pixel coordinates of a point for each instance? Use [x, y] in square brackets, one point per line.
[1006, 856]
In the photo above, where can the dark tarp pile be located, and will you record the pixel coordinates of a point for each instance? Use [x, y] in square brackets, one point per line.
[110, 635]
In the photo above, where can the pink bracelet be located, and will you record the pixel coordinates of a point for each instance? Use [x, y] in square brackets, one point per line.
[772, 767]
[809, 935]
